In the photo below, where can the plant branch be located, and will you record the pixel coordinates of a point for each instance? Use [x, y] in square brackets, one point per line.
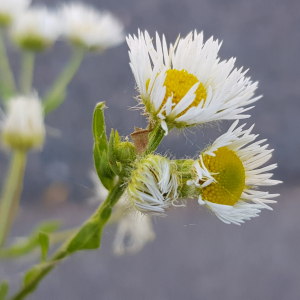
[26, 73]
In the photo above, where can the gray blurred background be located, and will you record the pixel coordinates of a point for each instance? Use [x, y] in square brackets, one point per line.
[194, 256]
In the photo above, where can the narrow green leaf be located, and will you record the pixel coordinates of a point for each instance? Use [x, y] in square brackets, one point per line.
[100, 147]
[48, 226]
[87, 238]
[52, 103]
[4, 288]
[117, 138]
[44, 243]
[111, 154]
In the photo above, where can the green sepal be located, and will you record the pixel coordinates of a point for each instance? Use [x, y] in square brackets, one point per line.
[101, 161]
[44, 243]
[4, 288]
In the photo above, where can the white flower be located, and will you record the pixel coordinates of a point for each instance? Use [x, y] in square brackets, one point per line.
[11, 10]
[153, 185]
[24, 127]
[133, 232]
[229, 173]
[187, 84]
[84, 25]
[36, 29]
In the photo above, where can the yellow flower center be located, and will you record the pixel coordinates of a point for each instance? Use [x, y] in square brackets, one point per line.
[230, 180]
[179, 83]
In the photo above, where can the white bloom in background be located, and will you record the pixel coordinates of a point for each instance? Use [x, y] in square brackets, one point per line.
[134, 231]
[84, 25]
[229, 173]
[153, 185]
[11, 10]
[36, 29]
[187, 84]
[24, 127]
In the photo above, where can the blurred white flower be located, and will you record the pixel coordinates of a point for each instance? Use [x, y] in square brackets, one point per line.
[24, 127]
[229, 173]
[153, 185]
[36, 29]
[134, 231]
[10, 10]
[187, 84]
[85, 26]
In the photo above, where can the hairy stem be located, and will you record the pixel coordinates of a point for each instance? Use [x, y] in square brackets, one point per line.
[26, 73]
[8, 86]
[11, 192]
[56, 94]
[102, 214]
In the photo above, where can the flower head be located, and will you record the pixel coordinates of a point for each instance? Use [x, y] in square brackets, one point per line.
[153, 185]
[24, 127]
[87, 27]
[10, 10]
[229, 173]
[187, 84]
[36, 29]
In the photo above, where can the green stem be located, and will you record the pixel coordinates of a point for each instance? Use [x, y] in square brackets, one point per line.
[8, 86]
[102, 214]
[56, 94]
[155, 138]
[11, 194]
[26, 74]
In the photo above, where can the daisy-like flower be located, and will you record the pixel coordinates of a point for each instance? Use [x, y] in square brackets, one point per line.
[24, 127]
[36, 29]
[229, 173]
[187, 84]
[85, 26]
[153, 185]
[11, 10]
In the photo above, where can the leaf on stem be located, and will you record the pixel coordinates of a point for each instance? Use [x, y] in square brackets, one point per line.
[4, 288]
[44, 243]
[101, 147]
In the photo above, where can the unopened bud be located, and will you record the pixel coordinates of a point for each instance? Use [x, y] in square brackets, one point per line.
[125, 152]
[24, 127]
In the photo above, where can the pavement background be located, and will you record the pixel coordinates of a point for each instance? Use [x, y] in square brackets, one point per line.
[194, 256]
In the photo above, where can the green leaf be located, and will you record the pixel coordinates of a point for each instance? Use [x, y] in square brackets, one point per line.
[117, 138]
[52, 103]
[100, 148]
[4, 288]
[48, 226]
[111, 155]
[44, 243]
[31, 277]
[88, 237]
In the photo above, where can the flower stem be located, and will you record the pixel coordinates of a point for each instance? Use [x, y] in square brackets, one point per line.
[26, 74]
[56, 94]
[62, 252]
[8, 86]
[155, 138]
[11, 193]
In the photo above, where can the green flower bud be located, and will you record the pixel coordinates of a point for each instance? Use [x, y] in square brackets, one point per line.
[125, 152]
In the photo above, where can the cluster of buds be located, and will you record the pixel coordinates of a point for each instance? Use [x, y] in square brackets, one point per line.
[185, 86]
[37, 28]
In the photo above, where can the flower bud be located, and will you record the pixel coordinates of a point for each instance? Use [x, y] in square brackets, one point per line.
[125, 152]
[24, 127]
[153, 185]
[36, 29]
[10, 10]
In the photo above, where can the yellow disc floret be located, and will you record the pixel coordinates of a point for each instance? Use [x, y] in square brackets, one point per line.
[179, 83]
[230, 177]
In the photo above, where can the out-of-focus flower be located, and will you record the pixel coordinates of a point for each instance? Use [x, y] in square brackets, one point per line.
[153, 185]
[94, 30]
[10, 10]
[134, 230]
[24, 127]
[36, 29]
[229, 173]
[133, 233]
[187, 84]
